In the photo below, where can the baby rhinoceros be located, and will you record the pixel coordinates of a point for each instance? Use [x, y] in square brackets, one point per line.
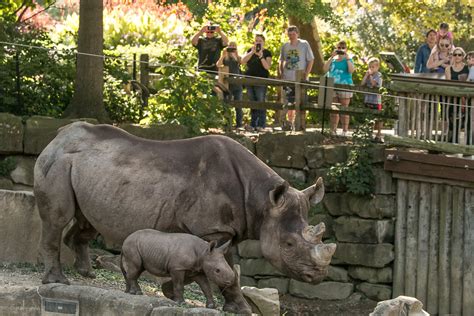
[186, 258]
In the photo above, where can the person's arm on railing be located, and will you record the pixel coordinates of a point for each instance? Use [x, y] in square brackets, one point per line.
[447, 73]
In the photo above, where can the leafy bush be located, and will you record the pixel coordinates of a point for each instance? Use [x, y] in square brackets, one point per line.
[356, 173]
[7, 165]
[184, 95]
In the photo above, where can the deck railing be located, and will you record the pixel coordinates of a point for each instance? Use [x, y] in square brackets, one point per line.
[434, 109]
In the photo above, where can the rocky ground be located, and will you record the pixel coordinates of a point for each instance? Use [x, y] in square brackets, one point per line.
[30, 275]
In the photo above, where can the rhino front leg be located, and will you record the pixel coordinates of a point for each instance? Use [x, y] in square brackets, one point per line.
[206, 289]
[177, 277]
[77, 238]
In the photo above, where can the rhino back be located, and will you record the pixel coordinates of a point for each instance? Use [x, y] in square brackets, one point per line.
[203, 186]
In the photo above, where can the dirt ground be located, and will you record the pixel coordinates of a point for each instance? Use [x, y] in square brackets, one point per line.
[30, 275]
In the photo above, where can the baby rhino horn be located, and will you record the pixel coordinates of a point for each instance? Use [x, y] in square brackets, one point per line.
[322, 254]
[314, 234]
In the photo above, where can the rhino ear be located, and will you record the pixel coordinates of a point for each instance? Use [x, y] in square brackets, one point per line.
[225, 247]
[277, 194]
[212, 245]
[315, 193]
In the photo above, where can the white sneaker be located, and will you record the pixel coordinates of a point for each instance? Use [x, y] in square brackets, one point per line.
[344, 133]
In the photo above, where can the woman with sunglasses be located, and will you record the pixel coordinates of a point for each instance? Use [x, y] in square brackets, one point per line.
[440, 57]
[458, 70]
[340, 67]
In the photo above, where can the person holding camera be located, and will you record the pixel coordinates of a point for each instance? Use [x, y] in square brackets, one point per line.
[295, 55]
[258, 61]
[230, 57]
[340, 67]
[209, 47]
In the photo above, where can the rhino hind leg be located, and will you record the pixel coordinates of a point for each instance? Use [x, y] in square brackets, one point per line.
[132, 267]
[56, 204]
[77, 238]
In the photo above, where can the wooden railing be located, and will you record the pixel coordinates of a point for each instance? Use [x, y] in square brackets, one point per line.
[434, 109]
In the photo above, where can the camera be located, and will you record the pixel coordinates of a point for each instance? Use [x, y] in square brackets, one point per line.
[340, 52]
[258, 47]
[212, 27]
[231, 49]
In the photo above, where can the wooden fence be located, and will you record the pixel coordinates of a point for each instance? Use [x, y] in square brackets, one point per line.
[434, 109]
[434, 233]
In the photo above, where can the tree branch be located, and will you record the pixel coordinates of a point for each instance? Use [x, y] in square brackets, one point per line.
[30, 17]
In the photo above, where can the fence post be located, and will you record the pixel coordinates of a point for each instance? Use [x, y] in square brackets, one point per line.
[326, 92]
[298, 98]
[134, 67]
[144, 70]
[222, 89]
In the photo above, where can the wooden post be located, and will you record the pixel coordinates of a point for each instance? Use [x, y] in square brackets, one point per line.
[400, 239]
[298, 100]
[222, 75]
[144, 70]
[325, 95]
[134, 67]
[403, 115]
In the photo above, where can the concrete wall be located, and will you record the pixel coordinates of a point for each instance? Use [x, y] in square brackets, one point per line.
[363, 227]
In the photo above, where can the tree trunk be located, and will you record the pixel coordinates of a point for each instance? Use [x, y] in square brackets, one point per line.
[309, 32]
[89, 83]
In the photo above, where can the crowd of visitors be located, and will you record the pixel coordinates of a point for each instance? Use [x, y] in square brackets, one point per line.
[437, 55]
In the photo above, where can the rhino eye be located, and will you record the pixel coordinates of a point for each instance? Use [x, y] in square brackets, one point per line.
[218, 270]
[289, 244]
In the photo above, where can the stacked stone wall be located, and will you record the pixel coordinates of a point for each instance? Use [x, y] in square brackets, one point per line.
[362, 227]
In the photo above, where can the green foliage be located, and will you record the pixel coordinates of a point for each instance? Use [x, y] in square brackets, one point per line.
[356, 173]
[184, 95]
[7, 165]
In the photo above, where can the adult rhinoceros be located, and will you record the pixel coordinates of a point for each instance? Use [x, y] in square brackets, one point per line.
[114, 183]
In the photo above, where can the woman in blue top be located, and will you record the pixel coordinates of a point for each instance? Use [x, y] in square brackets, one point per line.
[340, 67]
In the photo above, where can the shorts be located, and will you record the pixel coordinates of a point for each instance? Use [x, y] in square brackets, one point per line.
[374, 106]
[343, 94]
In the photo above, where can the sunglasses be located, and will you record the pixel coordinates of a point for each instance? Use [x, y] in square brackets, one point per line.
[444, 45]
[340, 47]
[458, 55]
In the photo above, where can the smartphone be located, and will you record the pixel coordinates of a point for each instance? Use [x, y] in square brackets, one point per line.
[258, 47]
[231, 49]
[340, 52]
[212, 27]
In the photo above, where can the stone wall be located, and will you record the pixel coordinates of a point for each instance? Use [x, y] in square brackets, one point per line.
[362, 227]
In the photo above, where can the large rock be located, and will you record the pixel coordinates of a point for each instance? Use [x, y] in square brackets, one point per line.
[377, 292]
[97, 301]
[294, 176]
[368, 255]
[23, 173]
[286, 150]
[19, 301]
[334, 154]
[250, 249]
[384, 182]
[11, 134]
[263, 301]
[371, 275]
[337, 274]
[258, 267]
[324, 290]
[378, 207]
[20, 229]
[402, 305]
[6, 183]
[157, 132]
[359, 230]
[41, 130]
[281, 284]
[314, 156]
[248, 281]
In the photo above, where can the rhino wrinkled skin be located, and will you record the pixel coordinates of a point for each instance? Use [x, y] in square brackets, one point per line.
[184, 257]
[114, 183]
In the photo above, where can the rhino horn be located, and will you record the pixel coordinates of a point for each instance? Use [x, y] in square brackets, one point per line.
[322, 254]
[314, 234]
